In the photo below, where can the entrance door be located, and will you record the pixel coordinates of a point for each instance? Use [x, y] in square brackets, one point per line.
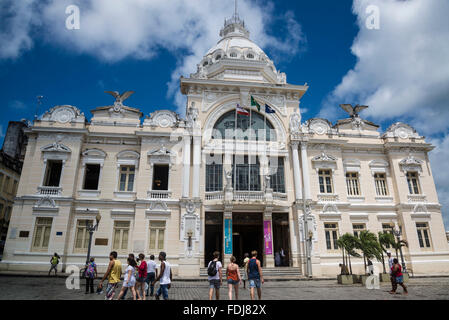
[281, 239]
[247, 231]
[213, 236]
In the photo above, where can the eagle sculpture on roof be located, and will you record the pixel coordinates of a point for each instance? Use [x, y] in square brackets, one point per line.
[353, 111]
[119, 98]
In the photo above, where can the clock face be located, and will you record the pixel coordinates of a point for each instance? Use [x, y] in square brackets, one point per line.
[402, 133]
[63, 115]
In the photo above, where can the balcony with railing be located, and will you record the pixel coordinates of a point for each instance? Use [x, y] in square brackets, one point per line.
[49, 191]
[324, 197]
[159, 194]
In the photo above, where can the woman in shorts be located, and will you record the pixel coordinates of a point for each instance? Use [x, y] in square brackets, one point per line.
[141, 276]
[130, 279]
[233, 277]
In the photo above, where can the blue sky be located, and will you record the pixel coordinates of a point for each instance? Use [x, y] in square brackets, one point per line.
[401, 70]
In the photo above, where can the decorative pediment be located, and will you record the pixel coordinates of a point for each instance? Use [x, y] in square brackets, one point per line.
[160, 155]
[410, 164]
[56, 147]
[401, 130]
[331, 210]
[94, 156]
[46, 204]
[318, 126]
[158, 207]
[351, 165]
[378, 166]
[128, 157]
[163, 119]
[323, 157]
[64, 114]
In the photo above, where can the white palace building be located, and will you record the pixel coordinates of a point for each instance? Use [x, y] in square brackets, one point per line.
[221, 179]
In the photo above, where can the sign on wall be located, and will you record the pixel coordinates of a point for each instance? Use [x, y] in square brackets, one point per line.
[267, 237]
[228, 236]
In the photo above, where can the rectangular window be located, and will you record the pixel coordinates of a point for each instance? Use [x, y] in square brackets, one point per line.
[325, 181]
[14, 189]
[247, 171]
[387, 228]
[331, 232]
[357, 228]
[82, 235]
[413, 184]
[120, 235]
[91, 176]
[157, 235]
[423, 235]
[53, 173]
[160, 177]
[380, 183]
[42, 232]
[277, 181]
[1, 210]
[352, 183]
[127, 174]
[1, 180]
[214, 177]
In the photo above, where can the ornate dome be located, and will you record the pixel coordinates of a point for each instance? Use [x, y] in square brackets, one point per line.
[236, 49]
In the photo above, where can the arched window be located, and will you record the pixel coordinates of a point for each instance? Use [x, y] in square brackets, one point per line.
[218, 57]
[224, 127]
[250, 56]
[233, 55]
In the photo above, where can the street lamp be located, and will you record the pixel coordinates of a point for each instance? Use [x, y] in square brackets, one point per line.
[308, 236]
[91, 229]
[397, 233]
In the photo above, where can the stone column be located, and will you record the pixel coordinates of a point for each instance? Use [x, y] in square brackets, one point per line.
[296, 170]
[196, 166]
[305, 171]
[186, 167]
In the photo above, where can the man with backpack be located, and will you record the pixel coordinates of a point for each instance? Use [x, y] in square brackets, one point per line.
[214, 276]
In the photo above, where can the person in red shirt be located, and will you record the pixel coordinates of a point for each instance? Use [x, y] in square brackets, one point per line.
[142, 275]
[396, 272]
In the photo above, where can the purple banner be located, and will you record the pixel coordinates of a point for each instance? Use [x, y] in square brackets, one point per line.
[267, 237]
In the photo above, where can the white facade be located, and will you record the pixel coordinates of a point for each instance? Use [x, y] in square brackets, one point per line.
[168, 183]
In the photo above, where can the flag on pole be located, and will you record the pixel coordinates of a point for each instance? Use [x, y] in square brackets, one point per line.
[269, 109]
[242, 111]
[254, 103]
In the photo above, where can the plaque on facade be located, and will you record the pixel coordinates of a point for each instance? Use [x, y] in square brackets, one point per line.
[101, 242]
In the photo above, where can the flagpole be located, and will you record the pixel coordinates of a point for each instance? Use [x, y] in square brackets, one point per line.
[249, 146]
[235, 149]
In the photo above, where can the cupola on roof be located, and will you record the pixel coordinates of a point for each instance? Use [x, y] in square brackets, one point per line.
[236, 57]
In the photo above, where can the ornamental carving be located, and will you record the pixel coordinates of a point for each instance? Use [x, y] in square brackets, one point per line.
[295, 122]
[410, 164]
[401, 130]
[163, 119]
[64, 114]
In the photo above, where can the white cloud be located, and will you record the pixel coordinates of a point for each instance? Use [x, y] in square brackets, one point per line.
[141, 29]
[402, 72]
[17, 104]
[402, 69]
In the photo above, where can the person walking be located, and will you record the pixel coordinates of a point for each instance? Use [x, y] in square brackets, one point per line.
[91, 274]
[113, 274]
[129, 281]
[151, 275]
[399, 278]
[130, 255]
[255, 276]
[54, 261]
[214, 276]
[390, 268]
[233, 277]
[142, 276]
[165, 277]
[245, 274]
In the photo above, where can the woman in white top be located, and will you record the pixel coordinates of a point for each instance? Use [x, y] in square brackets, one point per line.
[130, 279]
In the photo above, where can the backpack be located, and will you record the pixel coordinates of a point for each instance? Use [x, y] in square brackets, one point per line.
[212, 268]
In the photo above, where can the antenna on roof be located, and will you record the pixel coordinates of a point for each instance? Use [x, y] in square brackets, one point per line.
[39, 102]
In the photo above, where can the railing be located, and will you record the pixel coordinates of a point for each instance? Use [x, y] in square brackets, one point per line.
[416, 198]
[249, 195]
[327, 197]
[214, 195]
[49, 191]
[159, 194]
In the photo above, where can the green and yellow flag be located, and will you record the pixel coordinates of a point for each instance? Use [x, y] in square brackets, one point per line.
[254, 103]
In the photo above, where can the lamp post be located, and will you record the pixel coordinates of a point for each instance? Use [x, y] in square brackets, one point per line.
[91, 230]
[308, 235]
[397, 233]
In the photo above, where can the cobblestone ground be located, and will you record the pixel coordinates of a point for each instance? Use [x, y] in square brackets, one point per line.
[43, 288]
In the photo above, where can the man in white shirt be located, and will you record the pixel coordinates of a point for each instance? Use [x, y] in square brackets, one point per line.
[165, 277]
[151, 275]
[214, 276]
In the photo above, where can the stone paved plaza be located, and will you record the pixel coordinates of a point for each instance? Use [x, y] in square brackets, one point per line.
[44, 288]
